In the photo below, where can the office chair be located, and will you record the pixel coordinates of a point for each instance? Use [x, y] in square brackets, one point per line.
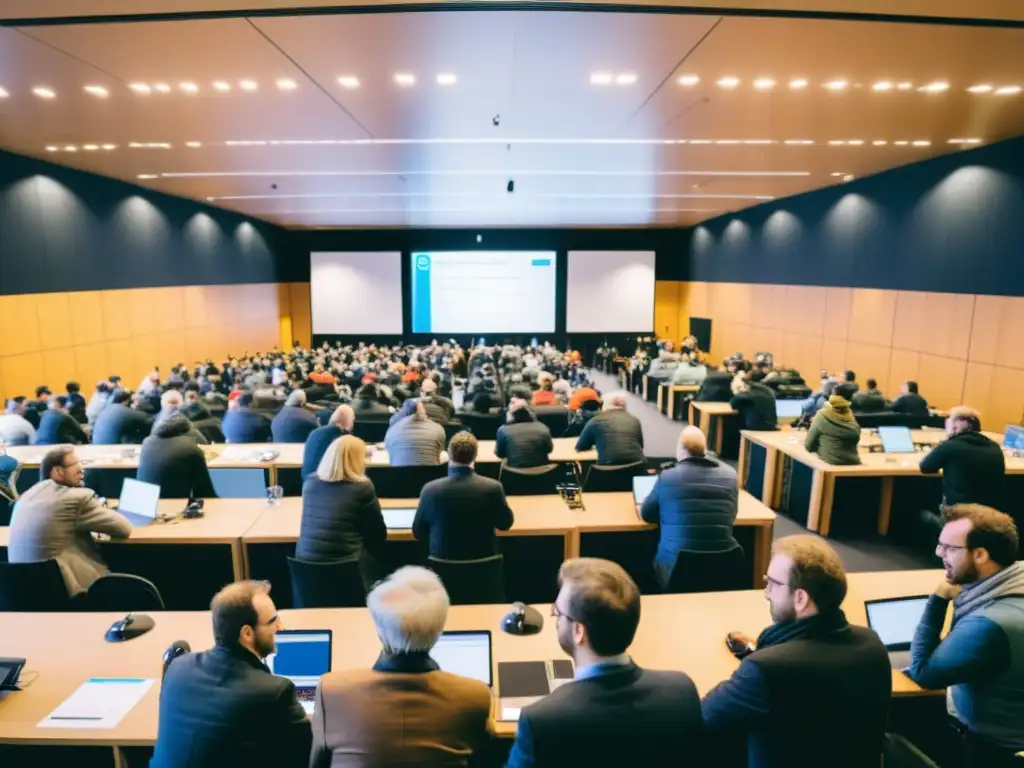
[122, 592]
[618, 477]
[403, 482]
[531, 481]
[709, 572]
[33, 587]
[334, 584]
[472, 582]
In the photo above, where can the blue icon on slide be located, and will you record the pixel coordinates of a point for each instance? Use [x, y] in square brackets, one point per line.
[423, 262]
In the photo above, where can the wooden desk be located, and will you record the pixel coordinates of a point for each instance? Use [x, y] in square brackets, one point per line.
[681, 632]
[673, 390]
[701, 414]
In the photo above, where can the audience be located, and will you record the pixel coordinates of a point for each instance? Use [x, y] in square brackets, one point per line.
[415, 440]
[546, 394]
[979, 661]
[616, 434]
[15, 429]
[172, 459]
[119, 423]
[871, 400]
[439, 408]
[341, 423]
[294, 422]
[815, 690]
[581, 395]
[457, 515]
[76, 403]
[694, 503]
[98, 401]
[243, 424]
[37, 407]
[341, 516]
[404, 710]
[55, 519]
[616, 712]
[223, 707]
[716, 387]
[56, 427]
[523, 442]
[367, 402]
[834, 433]
[690, 372]
[910, 402]
[754, 402]
[171, 403]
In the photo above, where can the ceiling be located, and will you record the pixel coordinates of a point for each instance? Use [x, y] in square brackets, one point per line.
[530, 105]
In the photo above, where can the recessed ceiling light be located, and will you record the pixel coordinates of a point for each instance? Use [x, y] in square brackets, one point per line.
[688, 80]
[90, 147]
[405, 79]
[70, 148]
[97, 90]
[446, 78]
[52, 148]
[800, 142]
[601, 78]
[148, 176]
[193, 144]
[904, 86]
[836, 85]
[980, 88]
[922, 143]
[700, 141]
[764, 84]
[221, 85]
[727, 141]
[937, 87]
[109, 147]
[836, 142]
[140, 88]
[626, 78]
[189, 87]
[162, 87]
[3, 93]
[728, 82]
[879, 142]
[798, 82]
[882, 85]
[838, 173]
[758, 141]
[901, 143]
[348, 81]
[247, 85]
[1008, 90]
[964, 141]
[855, 142]
[44, 93]
[286, 84]
[848, 177]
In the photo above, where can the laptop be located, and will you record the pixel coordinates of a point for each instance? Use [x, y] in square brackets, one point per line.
[895, 621]
[139, 502]
[642, 487]
[238, 483]
[788, 409]
[896, 439]
[303, 655]
[467, 653]
[398, 518]
[1013, 438]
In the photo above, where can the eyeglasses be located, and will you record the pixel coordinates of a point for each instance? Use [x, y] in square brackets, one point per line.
[556, 612]
[944, 548]
[770, 582]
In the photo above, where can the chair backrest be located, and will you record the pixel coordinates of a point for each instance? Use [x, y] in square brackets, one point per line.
[709, 572]
[483, 425]
[452, 428]
[123, 592]
[532, 481]
[472, 582]
[370, 430]
[33, 587]
[618, 477]
[333, 584]
[404, 482]
[554, 417]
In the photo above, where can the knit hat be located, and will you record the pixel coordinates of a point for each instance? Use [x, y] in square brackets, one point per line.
[838, 408]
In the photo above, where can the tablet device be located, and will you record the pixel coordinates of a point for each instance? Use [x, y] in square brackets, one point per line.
[896, 439]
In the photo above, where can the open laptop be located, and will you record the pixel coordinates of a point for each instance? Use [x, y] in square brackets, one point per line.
[895, 621]
[896, 439]
[788, 409]
[139, 502]
[642, 487]
[467, 653]
[303, 655]
[238, 483]
[398, 518]
[1013, 438]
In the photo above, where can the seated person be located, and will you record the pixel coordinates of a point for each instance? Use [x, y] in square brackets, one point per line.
[56, 427]
[405, 710]
[457, 515]
[817, 401]
[439, 409]
[689, 373]
[120, 423]
[172, 459]
[15, 429]
[716, 387]
[849, 377]
[340, 423]
[56, 518]
[973, 468]
[617, 435]
[99, 400]
[523, 442]
[694, 503]
[242, 424]
[415, 440]
[754, 402]
[546, 394]
[76, 403]
[834, 434]
[871, 400]
[36, 408]
[910, 402]
[294, 422]
[341, 516]
[223, 707]
[663, 366]
[580, 395]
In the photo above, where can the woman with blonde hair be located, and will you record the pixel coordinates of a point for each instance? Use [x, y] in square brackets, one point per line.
[341, 516]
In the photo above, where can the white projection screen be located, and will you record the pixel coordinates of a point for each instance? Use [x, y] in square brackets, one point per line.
[610, 292]
[355, 293]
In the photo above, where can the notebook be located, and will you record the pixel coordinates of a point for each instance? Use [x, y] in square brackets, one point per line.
[302, 656]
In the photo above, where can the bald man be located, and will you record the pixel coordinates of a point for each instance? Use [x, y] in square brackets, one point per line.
[694, 503]
[341, 423]
[617, 435]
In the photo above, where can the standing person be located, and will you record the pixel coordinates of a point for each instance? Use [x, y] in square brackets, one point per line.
[617, 435]
[810, 667]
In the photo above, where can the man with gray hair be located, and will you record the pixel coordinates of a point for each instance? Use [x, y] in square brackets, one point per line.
[294, 422]
[171, 403]
[694, 503]
[341, 423]
[617, 435]
[404, 710]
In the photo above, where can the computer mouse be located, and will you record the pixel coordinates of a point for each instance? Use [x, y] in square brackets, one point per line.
[522, 620]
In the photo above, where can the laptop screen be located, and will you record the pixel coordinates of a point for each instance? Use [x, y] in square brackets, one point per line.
[896, 439]
[238, 483]
[398, 518]
[1013, 438]
[642, 487]
[301, 654]
[895, 620]
[139, 498]
[788, 409]
[465, 653]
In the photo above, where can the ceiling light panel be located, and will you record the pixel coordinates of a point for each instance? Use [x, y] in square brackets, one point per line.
[248, 85]
[764, 84]
[937, 87]
[446, 78]
[405, 79]
[348, 81]
[162, 87]
[837, 85]
[798, 83]
[688, 80]
[1008, 90]
[3, 93]
[188, 87]
[728, 82]
[44, 92]
[221, 85]
[143, 89]
[97, 90]
[980, 88]
[286, 84]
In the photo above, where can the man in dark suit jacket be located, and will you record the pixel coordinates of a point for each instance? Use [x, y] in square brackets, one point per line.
[56, 427]
[172, 459]
[119, 423]
[223, 706]
[457, 515]
[244, 425]
[615, 713]
[293, 423]
[341, 423]
[617, 435]
[810, 668]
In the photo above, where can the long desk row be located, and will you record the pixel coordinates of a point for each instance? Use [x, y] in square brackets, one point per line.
[682, 632]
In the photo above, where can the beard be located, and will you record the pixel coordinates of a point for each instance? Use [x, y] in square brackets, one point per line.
[967, 574]
[264, 646]
[782, 612]
[565, 641]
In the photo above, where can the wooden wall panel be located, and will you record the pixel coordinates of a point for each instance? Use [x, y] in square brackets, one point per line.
[299, 301]
[86, 317]
[872, 314]
[21, 374]
[54, 313]
[936, 323]
[944, 377]
[838, 302]
[91, 365]
[118, 319]
[19, 331]
[666, 310]
[996, 391]
[995, 333]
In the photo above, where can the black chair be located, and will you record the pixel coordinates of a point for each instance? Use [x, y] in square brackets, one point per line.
[334, 584]
[483, 425]
[452, 428]
[122, 592]
[472, 582]
[370, 430]
[554, 417]
[709, 572]
[618, 477]
[533, 481]
[210, 429]
[403, 482]
[33, 587]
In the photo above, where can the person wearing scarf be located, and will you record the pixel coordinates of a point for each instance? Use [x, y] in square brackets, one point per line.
[981, 660]
[834, 434]
[815, 690]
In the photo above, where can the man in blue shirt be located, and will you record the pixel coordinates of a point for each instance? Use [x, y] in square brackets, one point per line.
[981, 660]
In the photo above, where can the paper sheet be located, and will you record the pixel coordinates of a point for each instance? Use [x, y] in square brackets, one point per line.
[100, 702]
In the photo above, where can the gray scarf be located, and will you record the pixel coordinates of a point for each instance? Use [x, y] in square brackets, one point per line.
[1008, 582]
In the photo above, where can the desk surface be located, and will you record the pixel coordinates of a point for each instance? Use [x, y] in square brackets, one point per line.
[713, 408]
[683, 632]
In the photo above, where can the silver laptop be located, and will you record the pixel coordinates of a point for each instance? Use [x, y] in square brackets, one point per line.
[467, 653]
[398, 518]
[895, 620]
[139, 502]
[302, 656]
[642, 487]
[896, 439]
[788, 409]
[238, 483]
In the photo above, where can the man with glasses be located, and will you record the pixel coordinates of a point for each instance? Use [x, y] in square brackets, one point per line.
[223, 707]
[615, 713]
[814, 690]
[981, 660]
[55, 519]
